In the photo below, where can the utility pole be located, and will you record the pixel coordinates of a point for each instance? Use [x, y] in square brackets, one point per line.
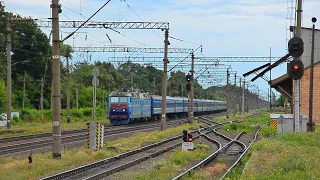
[68, 87]
[286, 105]
[131, 75]
[169, 88]
[164, 81]
[240, 98]
[228, 94]
[270, 105]
[77, 97]
[41, 98]
[154, 86]
[310, 124]
[192, 89]
[296, 83]
[56, 91]
[24, 90]
[247, 98]
[235, 94]
[8, 73]
[103, 98]
[269, 97]
[243, 100]
[109, 84]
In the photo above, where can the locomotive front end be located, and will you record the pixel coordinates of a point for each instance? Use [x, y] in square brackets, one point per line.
[119, 108]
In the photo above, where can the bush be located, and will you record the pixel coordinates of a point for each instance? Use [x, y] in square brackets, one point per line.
[47, 113]
[232, 126]
[268, 131]
[86, 111]
[16, 120]
[76, 113]
[30, 114]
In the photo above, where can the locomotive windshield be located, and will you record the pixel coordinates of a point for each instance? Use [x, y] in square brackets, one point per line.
[115, 100]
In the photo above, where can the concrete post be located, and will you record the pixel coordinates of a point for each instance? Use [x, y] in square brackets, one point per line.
[56, 91]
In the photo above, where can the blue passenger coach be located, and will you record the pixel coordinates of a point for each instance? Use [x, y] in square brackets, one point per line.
[128, 107]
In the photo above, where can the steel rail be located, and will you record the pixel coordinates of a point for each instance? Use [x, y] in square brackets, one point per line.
[221, 149]
[244, 152]
[43, 135]
[43, 143]
[83, 168]
[206, 160]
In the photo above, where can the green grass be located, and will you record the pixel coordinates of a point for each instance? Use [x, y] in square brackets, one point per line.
[281, 156]
[19, 168]
[288, 156]
[249, 126]
[231, 117]
[46, 126]
[177, 162]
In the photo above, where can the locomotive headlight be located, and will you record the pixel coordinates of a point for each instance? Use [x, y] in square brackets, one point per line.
[113, 110]
[123, 110]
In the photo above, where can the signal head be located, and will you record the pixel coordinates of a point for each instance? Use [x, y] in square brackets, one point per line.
[295, 69]
[295, 46]
[188, 78]
[314, 19]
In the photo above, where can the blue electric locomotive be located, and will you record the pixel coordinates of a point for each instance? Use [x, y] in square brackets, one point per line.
[127, 107]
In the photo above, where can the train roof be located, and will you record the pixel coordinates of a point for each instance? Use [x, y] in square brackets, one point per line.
[156, 97]
[119, 93]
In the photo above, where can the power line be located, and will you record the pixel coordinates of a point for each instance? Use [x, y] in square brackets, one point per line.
[86, 21]
[183, 40]
[107, 28]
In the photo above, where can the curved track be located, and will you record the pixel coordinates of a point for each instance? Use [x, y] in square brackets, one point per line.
[230, 149]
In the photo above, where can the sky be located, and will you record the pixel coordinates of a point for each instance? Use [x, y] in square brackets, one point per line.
[236, 28]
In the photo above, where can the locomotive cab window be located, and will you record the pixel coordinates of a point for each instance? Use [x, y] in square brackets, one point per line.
[123, 99]
[114, 99]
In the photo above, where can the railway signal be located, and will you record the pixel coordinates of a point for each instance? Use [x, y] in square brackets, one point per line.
[188, 85]
[187, 137]
[190, 137]
[188, 78]
[295, 69]
[295, 46]
[187, 143]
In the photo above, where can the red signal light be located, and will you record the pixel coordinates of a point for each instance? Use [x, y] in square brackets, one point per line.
[295, 68]
[190, 140]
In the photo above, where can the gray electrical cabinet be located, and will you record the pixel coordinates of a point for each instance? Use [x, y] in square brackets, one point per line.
[284, 123]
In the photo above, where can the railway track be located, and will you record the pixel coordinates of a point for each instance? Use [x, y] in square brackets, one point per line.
[233, 149]
[67, 132]
[76, 136]
[106, 167]
[42, 141]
